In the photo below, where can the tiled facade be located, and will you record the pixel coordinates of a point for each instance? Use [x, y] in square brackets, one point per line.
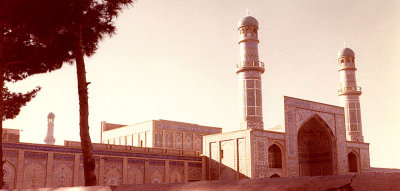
[34, 166]
[313, 143]
[255, 153]
[158, 134]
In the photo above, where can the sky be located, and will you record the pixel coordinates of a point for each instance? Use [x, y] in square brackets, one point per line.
[175, 60]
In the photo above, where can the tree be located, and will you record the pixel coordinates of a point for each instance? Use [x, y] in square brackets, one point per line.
[90, 21]
[68, 30]
[25, 49]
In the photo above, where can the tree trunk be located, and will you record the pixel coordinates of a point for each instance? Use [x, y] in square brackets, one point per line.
[1, 111]
[86, 143]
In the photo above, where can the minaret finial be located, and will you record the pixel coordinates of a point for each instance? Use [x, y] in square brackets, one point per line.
[248, 12]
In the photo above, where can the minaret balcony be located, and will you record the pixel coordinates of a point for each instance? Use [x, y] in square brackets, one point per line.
[349, 90]
[250, 65]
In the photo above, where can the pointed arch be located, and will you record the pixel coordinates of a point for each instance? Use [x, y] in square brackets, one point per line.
[9, 173]
[352, 160]
[275, 176]
[175, 176]
[135, 176]
[320, 120]
[156, 177]
[274, 156]
[316, 147]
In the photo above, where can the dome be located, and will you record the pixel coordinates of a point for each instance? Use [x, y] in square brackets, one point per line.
[248, 21]
[346, 52]
[51, 115]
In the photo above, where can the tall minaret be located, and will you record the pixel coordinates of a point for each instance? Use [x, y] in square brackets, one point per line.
[50, 129]
[349, 94]
[249, 71]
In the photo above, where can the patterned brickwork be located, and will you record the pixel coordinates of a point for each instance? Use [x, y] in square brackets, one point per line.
[158, 136]
[62, 170]
[35, 170]
[188, 141]
[156, 168]
[135, 171]
[194, 171]
[198, 142]
[113, 171]
[178, 140]
[341, 146]
[169, 140]
[9, 167]
[9, 171]
[176, 171]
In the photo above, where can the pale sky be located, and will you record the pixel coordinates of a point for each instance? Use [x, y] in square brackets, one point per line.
[175, 60]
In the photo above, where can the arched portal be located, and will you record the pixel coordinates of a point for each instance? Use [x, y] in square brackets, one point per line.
[315, 148]
[352, 159]
[274, 157]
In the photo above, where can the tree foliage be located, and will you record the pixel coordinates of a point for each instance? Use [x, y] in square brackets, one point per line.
[25, 49]
[68, 30]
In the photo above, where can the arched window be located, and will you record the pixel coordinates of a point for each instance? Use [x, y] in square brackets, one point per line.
[274, 157]
[352, 159]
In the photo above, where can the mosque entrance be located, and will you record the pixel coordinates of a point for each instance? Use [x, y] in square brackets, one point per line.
[315, 148]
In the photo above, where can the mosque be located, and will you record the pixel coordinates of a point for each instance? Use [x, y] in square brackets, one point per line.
[318, 139]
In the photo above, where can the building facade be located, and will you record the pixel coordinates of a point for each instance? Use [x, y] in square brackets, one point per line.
[318, 139]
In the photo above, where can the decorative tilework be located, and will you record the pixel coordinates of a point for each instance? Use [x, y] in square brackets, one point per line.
[198, 143]
[176, 174]
[95, 152]
[9, 174]
[34, 174]
[188, 141]
[260, 150]
[169, 140]
[135, 171]
[158, 135]
[113, 171]
[188, 128]
[62, 174]
[156, 176]
[178, 140]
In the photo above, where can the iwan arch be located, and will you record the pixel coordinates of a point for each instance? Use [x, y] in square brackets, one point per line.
[319, 139]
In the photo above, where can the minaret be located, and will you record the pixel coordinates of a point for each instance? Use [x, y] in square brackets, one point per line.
[249, 71]
[50, 129]
[349, 94]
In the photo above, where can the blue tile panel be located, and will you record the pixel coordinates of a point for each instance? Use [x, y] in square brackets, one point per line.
[157, 162]
[63, 157]
[194, 164]
[95, 152]
[35, 155]
[176, 163]
[135, 161]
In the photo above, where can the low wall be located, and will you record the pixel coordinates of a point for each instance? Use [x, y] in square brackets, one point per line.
[371, 181]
